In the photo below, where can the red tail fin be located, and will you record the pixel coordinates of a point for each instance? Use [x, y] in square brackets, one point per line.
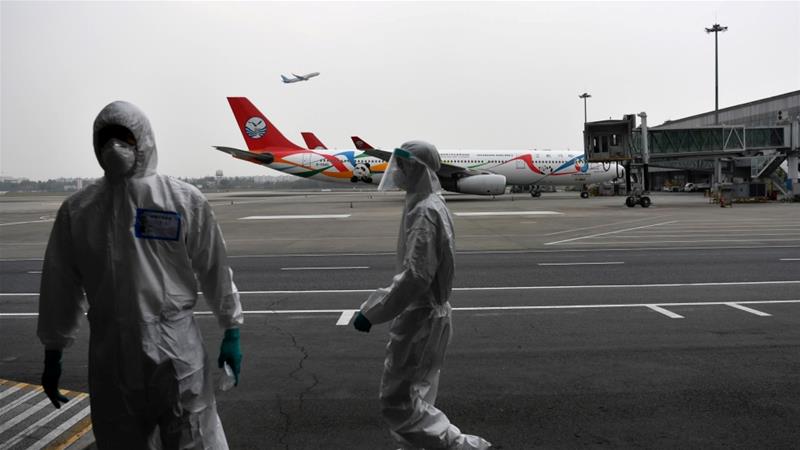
[312, 142]
[361, 144]
[257, 130]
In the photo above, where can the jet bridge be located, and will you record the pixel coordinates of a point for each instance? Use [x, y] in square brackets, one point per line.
[621, 141]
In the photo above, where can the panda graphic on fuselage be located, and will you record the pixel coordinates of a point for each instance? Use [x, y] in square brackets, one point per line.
[361, 172]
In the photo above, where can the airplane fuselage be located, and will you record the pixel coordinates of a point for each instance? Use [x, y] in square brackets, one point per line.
[536, 167]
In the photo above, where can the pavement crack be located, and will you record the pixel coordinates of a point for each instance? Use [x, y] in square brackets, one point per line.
[295, 375]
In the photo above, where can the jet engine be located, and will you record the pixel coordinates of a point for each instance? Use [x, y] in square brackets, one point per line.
[486, 184]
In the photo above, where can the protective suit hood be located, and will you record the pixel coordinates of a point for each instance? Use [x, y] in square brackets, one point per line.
[129, 116]
[413, 168]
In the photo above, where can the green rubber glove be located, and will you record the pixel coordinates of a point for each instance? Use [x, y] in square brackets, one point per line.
[362, 323]
[52, 372]
[229, 352]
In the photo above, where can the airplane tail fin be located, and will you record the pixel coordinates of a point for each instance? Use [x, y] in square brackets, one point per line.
[285, 80]
[257, 130]
[312, 142]
[361, 144]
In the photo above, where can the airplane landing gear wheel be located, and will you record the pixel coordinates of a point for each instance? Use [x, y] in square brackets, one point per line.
[630, 202]
[354, 179]
[584, 194]
[645, 202]
[367, 180]
[536, 194]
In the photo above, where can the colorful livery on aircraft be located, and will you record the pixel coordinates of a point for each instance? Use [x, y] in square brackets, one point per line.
[482, 172]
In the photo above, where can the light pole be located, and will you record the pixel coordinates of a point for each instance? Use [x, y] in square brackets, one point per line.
[716, 29]
[584, 96]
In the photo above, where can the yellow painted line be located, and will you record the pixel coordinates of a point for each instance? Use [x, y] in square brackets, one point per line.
[46, 419]
[82, 427]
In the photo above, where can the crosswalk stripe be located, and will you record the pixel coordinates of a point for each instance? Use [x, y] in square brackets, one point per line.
[11, 390]
[23, 415]
[19, 401]
[24, 433]
[47, 439]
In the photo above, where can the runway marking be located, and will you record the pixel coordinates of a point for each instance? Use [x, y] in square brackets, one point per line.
[649, 241]
[581, 263]
[11, 390]
[35, 271]
[750, 310]
[24, 223]
[288, 217]
[500, 252]
[506, 213]
[346, 316]
[599, 226]
[22, 434]
[49, 437]
[611, 232]
[654, 306]
[649, 236]
[20, 400]
[665, 312]
[327, 268]
[24, 415]
[491, 288]
[790, 259]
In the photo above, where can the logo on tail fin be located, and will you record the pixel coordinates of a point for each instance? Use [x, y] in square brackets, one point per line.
[255, 127]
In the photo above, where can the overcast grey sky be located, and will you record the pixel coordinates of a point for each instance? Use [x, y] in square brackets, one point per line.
[460, 75]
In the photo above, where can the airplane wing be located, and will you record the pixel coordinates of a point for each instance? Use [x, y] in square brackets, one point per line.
[257, 158]
[300, 77]
[445, 171]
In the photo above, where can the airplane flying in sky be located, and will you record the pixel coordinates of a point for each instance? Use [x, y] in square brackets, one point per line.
[481, 172]
[297, 77]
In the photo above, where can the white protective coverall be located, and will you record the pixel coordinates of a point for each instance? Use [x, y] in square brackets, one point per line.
[137, 246]
[417, 300]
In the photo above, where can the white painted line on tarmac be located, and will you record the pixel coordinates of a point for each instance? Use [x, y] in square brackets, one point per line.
[20, 401]
[650, 241]
[24, 223]
[11, 390]
[35, 271]
[581, 263]
[790, 259]
[48, 438]
[611, 232]
[289, 217]
[24, 433]
[750, 310]
[600, 226]
[346, 316]
[665, 312]
[327, 268]
[24, 415]
[492, 308]
[499, 252]
[506, 213]
[495, 288]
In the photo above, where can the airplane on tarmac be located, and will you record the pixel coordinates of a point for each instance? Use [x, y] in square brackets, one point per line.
[479, 172]
[297, 77]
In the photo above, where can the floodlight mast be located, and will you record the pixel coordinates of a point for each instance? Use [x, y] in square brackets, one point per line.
[716, 29]
[584, 96]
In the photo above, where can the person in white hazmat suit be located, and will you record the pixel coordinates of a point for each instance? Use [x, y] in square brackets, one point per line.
[417, 300]
[137, 243]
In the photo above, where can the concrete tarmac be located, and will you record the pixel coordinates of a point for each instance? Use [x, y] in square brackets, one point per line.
[577, 323]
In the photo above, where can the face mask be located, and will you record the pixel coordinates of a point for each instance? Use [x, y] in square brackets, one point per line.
[118, 157]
